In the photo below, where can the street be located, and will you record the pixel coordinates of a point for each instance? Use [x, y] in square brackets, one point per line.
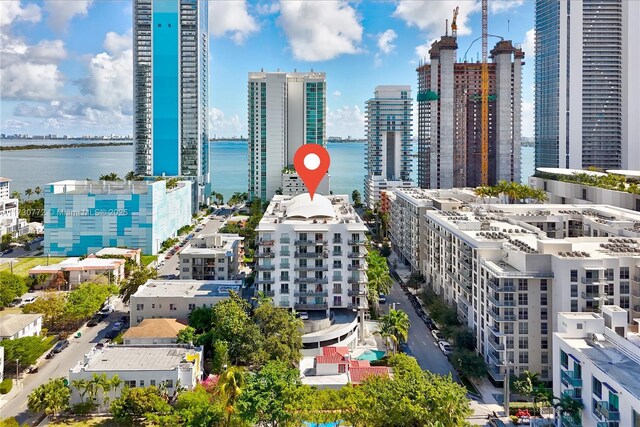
[15, 405]
[421, 342]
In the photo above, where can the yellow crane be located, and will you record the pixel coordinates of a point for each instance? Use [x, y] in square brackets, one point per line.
[484, 112]
[454, 26]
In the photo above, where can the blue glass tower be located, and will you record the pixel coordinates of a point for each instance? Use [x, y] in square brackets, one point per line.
[171, 90]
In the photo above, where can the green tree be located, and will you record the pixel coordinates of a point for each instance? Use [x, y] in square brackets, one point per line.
[5, 242]
[82, 387]
[25, 349]
[137, 278]
[86, 299]
[52, 307]
[567, 405]
[231, 386]
[357, 199]
[269, 394]
[99, 384]
[468, 363]
[37, 190]
[110, 177]
[188, 336]
[379, 279]
[135, 403]
[28, 192]
[11, 287]
[528, 384]
[385, 251]
[395, 325]
[220, 360]
[50, 398]
[282, 333]
[199, 408]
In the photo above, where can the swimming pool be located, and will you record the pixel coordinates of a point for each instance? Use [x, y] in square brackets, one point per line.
[371, 355]
[308, 424]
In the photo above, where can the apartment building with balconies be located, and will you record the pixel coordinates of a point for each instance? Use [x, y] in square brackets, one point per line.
[211, 257]
[311, 254]
[509, 269]
[596, 360]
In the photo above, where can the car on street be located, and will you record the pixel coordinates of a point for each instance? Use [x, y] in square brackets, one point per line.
[446, 348]
[15, 302]
[103, 342]
[430, 324]
[404, 347]
[50, 355]
[303, 315]
[95, 319]
[60, 345]
[437, 335]
[107, 309]
[28, 300]
[8, 251]
[382, 299]
[117, 326]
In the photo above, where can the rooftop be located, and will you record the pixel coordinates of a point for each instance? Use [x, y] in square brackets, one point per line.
[155, 328]
[75, 263]
[134, 358]
[11, 324]
[118, 251]
[188, 288]
[3, 179]
[217, 243]
[105, 187]
[566, 171]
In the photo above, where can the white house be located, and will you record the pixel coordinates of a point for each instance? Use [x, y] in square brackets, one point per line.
[13, 326]
[140, 366]
[76, 270]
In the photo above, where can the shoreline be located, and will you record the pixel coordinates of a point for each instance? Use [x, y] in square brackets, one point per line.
[55, 146]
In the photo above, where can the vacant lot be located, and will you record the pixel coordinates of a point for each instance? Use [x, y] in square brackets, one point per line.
[88, 422]
[22, 266]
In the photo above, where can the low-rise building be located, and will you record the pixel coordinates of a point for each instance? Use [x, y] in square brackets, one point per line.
[77, 270]
[154, 332]
[292, 184]
[14, 326]
[10, 221]
[139, 366]
[175, 299]
[82, 217]
[125, 253]
[211, 257]
[335, 368]
[596, 360]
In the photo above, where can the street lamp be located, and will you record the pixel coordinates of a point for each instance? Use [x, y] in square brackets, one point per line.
[17, 370]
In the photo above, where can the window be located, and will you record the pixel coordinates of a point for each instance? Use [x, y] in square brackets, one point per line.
[523, 313]
[574, 306]
[574, 275]
[564, 359]
[608, 274]
[169, 383]
[139, 319]
[624, 273]
[523, 357]
[141, 383]
[523, 328]
[509, 342]
[624, 287]
[523, 343]
[544, 328]
[130, 383]
[523, 299]
[152, 382]
[337, 264]
[543, 285]
[220, 260]
[596, 386]
[172, 307]
[139, 307]
[544, 343]
[342, 368]
[220, 268]
[543, 299]
[192, 307]
[624, 301]
[523, 285]
[574, 291]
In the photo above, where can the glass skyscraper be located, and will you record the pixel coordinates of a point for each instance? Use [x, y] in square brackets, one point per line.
[171, 51]
[587, 102]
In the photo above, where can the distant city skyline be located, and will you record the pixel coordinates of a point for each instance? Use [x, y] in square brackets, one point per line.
[68, 70]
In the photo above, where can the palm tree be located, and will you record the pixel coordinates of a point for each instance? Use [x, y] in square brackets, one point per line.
[110, 177]
[37, 190]
[116, 382]
[82, 386]
[15, 195]
[261, 298]
[396, 324]
[567, 405]
[386, 334]
[28, 192]
[230, 385]
[98, 383]
[482, 192]
[529, 384]
[50, 398]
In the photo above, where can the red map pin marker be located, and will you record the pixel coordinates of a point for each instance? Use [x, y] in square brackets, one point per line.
[312, 163]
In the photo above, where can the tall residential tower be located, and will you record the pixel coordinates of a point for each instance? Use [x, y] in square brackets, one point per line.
[286, 110]
[388, 161]
[449, 116]
[587, 102]
[171, 52]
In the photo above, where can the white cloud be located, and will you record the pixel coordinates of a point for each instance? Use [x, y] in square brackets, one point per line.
[220, 125]
[12, 10]
[116, 43]
[430, 16]
[30, 72]
[14, 124]
[231, 18]
[385, 41]
[345, 121]
[268, 8]
[320, 30]
[337, 93]
[527, 119]
[499, 6]
[529, 44]
[422, 51]
[61, 12]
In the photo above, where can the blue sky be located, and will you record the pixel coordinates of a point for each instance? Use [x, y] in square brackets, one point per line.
[67, 64]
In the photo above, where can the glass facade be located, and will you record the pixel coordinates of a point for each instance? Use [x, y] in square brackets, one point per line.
[171, 90]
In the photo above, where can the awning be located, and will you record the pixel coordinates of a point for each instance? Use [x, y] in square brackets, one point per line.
[611, 389]
[575, 359]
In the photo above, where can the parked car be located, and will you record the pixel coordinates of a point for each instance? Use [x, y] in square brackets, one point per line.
[404, 347]
[430, 324]
[28, 300]
[60, 345]
[446, 348]
[50, 355]
[8, 251]
[107, 309]
[95, 319]
[303, 315]
[15, 302]
[117, 326]
[382, 299]
[103, 342]
[437, 335]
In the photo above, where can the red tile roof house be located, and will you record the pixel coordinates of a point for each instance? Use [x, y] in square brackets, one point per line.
[336, 361]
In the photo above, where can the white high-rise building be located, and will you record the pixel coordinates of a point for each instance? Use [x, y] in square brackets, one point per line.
[286, 110]
[587, 97]
[10, 221]
[389, 130]
[311, 254]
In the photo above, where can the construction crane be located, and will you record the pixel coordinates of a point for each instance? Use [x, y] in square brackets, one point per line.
[454, 26]
[484, 112]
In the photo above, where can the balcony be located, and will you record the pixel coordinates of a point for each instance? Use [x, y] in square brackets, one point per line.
[337, 241]
[503, 317]
[285, 240]
[266, 293]
[354, 292]
[266, 242]
[496, 345]
[590, 296]
[336, 253]
[265, 255]
[569, 421]
[356, 242]
[311, 255]
[285, 253]
[607, 411]
[572, 393]
[310, 242]
[285, 266]
[355, 268]
[356, 255]
[311, 294]
[265, 267]
[352, 306]
[571, 378]
[265, 281]
[298, 306]
[312, 280]
[313, 268]
[593, 280]
[356, 281]
[497, 303]
[495, 285]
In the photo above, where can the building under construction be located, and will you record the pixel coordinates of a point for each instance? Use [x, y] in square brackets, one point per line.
[449, 117]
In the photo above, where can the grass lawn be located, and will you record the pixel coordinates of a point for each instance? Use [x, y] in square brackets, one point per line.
[147, 259]
[10, 310]
[87, 422]
[23, 265]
